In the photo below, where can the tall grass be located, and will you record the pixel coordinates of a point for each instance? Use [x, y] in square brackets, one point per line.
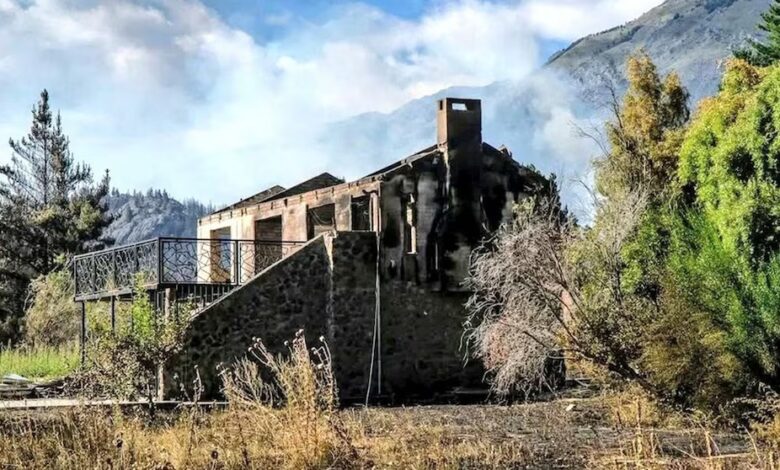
[40, 362]
[283, 413]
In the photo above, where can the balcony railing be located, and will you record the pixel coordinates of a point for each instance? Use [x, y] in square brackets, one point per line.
[167, 262]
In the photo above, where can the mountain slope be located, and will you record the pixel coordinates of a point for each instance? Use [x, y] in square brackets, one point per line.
[691, 37]
[140, 216]
[539, 117]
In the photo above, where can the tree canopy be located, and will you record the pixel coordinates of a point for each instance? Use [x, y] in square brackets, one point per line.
[762, 53]
[645, 131]
[50, 207]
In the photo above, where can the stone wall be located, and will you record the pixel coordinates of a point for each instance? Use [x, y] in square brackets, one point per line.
[293, 294]
[421, 342]
[353, 309]
[328, 288]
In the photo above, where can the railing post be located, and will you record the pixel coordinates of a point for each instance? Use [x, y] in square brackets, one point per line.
[83, 338]
[113, 314]
[76, 277]
[137, 261]
[159, 261]
[114, 277]
[237, 262]
[94, 274]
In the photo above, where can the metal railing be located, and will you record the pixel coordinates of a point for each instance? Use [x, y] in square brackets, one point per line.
[162, 262]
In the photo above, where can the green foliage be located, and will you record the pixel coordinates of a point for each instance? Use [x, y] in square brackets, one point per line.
[40, 362]
[740, 298]
[766, 52]
[621, 257]
[672, 291]
[644, 255]
[687, 349]
[724, 263]
[125, 363]
[49, 209]
[53, 318]
[645, 133]
[729, 162]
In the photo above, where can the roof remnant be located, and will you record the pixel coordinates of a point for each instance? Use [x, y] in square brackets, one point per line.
[323, 180]
[262, 196]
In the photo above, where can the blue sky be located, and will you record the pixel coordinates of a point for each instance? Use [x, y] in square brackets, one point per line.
[216, 99]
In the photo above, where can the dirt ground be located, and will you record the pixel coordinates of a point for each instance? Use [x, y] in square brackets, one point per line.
[561, 433]
[572, 431]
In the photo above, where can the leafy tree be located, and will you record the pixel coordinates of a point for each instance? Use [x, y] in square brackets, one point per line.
[730, 165]
[645, 132]
[595, 292]
[645, 136]
[730, 174]
[49, 208]
[767, 52]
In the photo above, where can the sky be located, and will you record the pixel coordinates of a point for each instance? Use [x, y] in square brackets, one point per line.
[218, 99]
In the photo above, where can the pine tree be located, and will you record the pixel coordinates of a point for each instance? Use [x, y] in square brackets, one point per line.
[767, 52]
[49, 209]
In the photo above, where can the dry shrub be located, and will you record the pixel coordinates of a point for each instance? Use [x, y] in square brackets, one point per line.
[290, 404]
[408, 439]
[543, 286]
[634, 407]
[52, 317]
[651, 450]
[255, 435]
[282, 414]
[516, 316]
[654, 436]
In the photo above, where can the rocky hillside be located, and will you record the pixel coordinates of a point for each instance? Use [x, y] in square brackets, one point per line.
[689, 36]
[541, 116]
[140, 216]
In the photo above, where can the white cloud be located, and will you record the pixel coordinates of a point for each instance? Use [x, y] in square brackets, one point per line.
[571, 19]
[170, 95]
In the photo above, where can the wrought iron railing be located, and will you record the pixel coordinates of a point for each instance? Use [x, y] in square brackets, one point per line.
[165, 262]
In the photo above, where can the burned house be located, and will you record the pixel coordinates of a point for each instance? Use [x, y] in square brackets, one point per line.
[375, 266]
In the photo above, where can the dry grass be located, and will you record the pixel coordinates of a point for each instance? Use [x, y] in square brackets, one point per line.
[283, 414]
[542, 435]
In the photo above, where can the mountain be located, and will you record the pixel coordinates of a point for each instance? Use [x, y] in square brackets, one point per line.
[691, 37]
[140, 216]
[541, 116]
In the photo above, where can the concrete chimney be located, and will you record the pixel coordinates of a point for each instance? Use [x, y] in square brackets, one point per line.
[459, 121]
[459, 137]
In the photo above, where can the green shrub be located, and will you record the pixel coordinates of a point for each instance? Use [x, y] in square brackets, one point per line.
[125, 363]
[727, 261]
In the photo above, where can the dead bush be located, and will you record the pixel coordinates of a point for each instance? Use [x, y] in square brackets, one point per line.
[543, 287]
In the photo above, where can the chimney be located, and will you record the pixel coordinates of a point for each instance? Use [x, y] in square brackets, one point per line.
[459, 121]
[459, 138]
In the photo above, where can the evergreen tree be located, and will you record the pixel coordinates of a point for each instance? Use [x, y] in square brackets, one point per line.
[49, 209]
[767, 52]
